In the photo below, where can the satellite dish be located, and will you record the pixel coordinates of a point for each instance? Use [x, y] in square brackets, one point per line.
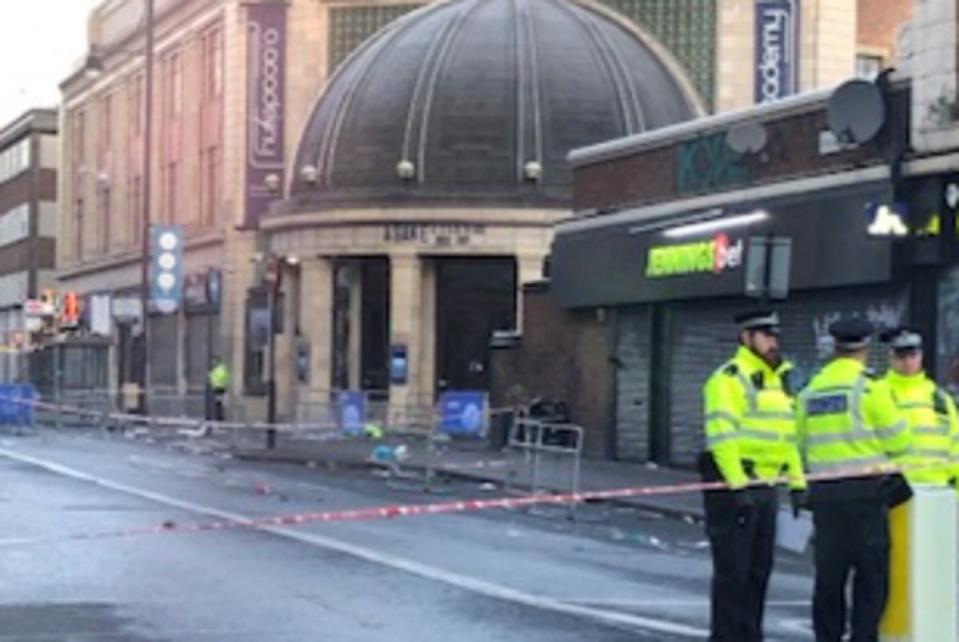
[856, 111]
[747, 138]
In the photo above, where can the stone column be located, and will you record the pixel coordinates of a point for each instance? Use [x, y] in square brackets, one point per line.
[355, 348]
[427, 361]
[827, 35]
[406, 303]
[238, 275]
[735, 48]
[317, 319]
[285, 366]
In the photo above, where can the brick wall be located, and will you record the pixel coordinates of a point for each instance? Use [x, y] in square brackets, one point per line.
[562, 355]
[878, 25]
[701, 163]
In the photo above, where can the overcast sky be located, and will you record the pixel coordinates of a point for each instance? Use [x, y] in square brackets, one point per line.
[40, 40]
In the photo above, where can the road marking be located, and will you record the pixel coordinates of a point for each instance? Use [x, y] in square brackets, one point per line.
[463, 582]
[794, 625]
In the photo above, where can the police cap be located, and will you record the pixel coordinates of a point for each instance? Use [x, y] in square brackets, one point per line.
[766, 320]
[851, 333]
[903, 338]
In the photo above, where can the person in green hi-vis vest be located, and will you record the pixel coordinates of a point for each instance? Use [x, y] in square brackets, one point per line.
[218, 381]
[749, 421]
[849, 427]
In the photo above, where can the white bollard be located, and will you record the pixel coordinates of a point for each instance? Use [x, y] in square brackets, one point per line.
[923, 595]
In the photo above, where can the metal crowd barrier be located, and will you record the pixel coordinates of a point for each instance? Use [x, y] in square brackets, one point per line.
[544, 457]
[16, 409]
[94, 407]
[395, 435]
[170, 402]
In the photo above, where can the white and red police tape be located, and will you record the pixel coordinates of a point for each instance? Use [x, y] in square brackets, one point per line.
[392, 511]
[198, 425]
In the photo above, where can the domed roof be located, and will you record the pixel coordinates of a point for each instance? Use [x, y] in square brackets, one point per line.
[479, 102]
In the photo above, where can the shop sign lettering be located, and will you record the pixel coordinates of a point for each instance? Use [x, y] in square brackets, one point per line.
[714, 256]
[441, 234]
[266, 96]
[777, 35]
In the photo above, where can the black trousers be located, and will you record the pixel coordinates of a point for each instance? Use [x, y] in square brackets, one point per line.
[852, 538]
[214, 404]
[742, 541]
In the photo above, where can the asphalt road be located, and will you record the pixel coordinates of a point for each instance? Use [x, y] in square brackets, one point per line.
[609, 575]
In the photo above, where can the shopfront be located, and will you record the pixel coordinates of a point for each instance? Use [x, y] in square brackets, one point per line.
[669, 241]
[675, 286]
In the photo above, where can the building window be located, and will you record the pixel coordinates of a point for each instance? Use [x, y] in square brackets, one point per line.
[210, 185]
[15, 160]
[106, 122]
[15, 225]
[351, 26]
[78, 222]
[868, 66]
[136, 104]
[687, 28]
[104, 236]
[170, 192]
[258, 328]
[136, 210]
[79, 150]
[79, 136]
[176, 85]
[213, 63]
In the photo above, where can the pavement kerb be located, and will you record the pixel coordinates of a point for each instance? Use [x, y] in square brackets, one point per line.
[678, 513]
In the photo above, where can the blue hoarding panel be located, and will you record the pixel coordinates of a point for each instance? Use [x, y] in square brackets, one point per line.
[463, 412]
[351, 412]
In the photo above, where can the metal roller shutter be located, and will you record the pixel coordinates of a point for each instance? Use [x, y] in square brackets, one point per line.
[632, 383]
[702, 337]
[947, 355]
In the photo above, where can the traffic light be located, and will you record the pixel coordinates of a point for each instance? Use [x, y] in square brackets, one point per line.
[166, 267]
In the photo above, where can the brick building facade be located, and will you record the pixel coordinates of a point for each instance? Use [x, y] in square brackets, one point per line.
[28, 227]
[200, 167]
[880, 24]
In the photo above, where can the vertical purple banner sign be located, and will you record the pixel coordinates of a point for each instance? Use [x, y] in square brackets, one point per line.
[266, 102]
[777, 49]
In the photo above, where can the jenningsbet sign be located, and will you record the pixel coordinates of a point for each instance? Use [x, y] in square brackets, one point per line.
[713, 256]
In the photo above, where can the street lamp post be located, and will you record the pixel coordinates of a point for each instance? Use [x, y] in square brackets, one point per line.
[145, 205]
[273, 281]
[272, 286]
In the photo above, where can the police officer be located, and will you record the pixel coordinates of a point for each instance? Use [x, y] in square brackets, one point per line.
[929, 411]
[850, 427]
[218, 380]
[750, 443]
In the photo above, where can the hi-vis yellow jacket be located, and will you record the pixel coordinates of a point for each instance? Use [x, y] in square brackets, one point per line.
[750, 423]
[930, 412]
[848, 422]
